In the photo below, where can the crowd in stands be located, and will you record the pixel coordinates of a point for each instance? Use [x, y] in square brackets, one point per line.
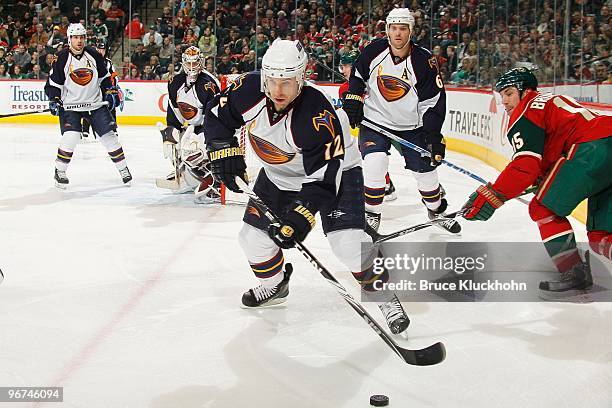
[473, 43]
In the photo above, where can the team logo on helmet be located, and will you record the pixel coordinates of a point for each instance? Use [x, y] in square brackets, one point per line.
[391, 87]
[268, 152]
[81, 76]
[188, 111]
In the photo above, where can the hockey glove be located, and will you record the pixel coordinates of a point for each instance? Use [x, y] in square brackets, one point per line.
[436, 146]
[353, 106]
[482, 203]
[56, 106]
[294, 226]
[227, 162]
[111, 95]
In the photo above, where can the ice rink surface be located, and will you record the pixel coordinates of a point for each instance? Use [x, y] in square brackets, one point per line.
[129, 297]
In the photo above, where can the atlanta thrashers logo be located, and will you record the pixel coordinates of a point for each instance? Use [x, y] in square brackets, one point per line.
[81, 76]
[268, 152]
[188, 111]
[391, 87]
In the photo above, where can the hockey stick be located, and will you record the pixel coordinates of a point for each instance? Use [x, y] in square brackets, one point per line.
[378, 238]
[424, 152]
[434, 354]
[93, 105]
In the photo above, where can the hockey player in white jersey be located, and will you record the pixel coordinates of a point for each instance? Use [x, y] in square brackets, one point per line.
[310, 164]
[404, 94]
[188, 94]
[101, 47]
[79, 76]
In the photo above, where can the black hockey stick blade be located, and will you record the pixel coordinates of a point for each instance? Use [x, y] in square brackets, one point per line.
[432, 355]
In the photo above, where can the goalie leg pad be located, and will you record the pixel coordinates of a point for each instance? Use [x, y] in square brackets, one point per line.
[265, 257]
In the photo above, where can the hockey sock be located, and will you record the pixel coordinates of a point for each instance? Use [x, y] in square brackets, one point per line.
[111, 142]
[429, 188]
[68, 142]
[374, 171]
[270, 272]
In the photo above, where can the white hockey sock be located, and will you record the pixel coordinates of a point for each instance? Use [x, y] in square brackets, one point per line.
[375, 167]
[429, 187]
[68, 142]
[111, 142]
[265, 257]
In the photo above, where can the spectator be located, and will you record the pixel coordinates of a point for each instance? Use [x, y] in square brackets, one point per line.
[63, 27]
[148, 74]
[22, 57]
[248, 62]
[49, 10]
[601, 71]
[165, 52]
[152, 48]
[114, 14]
[46, 66]
[134, 73]
[259, 43]
[39, 37]
[225, 66]
[189, 38]
[37, 73]
[153, 33]
[76, 16]
[99, 29]
[96, 11]
[106, 5]
[140, 57]
[126, 67]
[3, 73]
[169, 74]
[17, 73]
[134, 30]
[156, 68]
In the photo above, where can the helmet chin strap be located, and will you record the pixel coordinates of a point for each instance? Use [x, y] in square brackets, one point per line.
[401, 48]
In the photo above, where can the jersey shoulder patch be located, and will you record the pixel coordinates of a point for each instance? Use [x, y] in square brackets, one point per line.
[314, 118]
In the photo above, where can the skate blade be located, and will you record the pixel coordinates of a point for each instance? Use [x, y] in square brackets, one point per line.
[274, 303]
[61, 186]
[391, 197]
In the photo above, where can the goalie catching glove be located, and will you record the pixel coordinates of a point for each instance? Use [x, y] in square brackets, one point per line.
[482, 203]
[294, 225]
[227, 163]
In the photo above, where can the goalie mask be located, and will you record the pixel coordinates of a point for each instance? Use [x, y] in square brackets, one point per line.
[192, 62]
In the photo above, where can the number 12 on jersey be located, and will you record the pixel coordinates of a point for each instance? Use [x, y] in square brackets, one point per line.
[337, 146]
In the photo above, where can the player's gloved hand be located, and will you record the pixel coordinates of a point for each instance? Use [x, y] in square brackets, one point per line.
[56, 106]
[295, 224]
[482, 203]
[227, 162]
[436, 146]
[353, 106]
[111, 95]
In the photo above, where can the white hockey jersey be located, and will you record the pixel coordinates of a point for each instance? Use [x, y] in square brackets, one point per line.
[78, 78]
[187, 103]
[401, 94]
[305, 148]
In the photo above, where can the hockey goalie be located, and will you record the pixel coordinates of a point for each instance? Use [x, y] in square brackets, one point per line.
[183, 138]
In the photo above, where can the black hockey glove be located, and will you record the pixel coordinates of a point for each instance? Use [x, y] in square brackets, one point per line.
[56, 106]
[227, 162]
[353, 106]
[295, 224]
[436, 146]
[111, 95]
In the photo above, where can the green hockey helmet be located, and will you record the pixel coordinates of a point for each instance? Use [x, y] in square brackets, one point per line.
[521, 78]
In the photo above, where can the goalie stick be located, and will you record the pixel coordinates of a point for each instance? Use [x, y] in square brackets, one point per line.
[434, 354]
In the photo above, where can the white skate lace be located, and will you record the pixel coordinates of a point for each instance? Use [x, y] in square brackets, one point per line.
[448, 223]
[392, 310]
[262, 292]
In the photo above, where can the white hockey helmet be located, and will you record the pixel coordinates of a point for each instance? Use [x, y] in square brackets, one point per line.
[192, 61]
[400, 16]
[284, 59]
[76, 29]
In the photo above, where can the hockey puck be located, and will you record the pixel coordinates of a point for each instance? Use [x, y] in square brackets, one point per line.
[379, 400]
